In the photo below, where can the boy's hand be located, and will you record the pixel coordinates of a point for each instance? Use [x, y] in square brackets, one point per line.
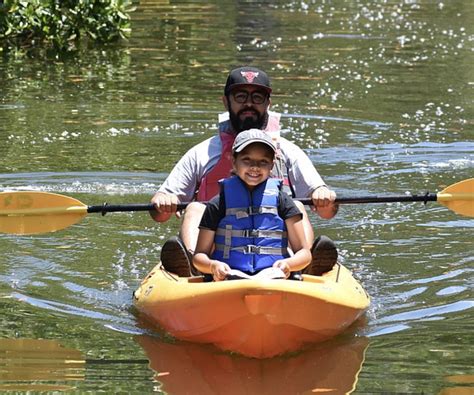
[283, 266]
[219, 270]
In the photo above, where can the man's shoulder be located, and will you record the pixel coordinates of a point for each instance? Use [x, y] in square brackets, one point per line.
[206, 145]
[288, 147]
[208, 141]
[285, 141]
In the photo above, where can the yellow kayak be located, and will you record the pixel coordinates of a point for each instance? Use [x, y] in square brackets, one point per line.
[254, 317]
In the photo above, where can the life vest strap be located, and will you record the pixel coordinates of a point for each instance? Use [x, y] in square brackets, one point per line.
[252, 249]
[254, 233]
[243, 212]
[227, 240]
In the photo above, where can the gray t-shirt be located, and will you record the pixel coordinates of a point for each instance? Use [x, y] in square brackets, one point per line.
[185, 177]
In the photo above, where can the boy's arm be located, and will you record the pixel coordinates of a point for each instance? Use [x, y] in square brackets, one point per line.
[203, 262]
[302, 255]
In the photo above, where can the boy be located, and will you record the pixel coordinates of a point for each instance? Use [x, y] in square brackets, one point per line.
[250, 224]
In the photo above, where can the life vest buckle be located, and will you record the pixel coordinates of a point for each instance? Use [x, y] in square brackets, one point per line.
[251, 249]
[250, 233]
[241, 214]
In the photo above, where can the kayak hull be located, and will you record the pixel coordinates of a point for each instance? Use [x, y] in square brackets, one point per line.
[255, 318]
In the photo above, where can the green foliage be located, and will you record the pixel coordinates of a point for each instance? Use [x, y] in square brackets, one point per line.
[62, 24]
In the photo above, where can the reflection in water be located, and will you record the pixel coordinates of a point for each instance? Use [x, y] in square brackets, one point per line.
[466, 385]
[186, 368]
[27, 361]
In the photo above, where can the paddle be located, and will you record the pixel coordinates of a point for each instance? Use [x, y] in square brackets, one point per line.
[25, 212]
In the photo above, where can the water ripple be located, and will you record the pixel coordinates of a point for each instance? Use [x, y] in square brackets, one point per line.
[451, 274]
[71, 310]
[429, 312]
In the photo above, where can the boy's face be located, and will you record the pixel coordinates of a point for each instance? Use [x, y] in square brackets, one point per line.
[253, 164]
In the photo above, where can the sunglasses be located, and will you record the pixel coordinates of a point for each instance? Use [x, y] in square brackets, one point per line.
[256, 97]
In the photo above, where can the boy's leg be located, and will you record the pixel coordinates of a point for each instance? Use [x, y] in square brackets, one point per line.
[324, 256]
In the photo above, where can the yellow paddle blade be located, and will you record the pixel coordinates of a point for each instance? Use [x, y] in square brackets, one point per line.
[25, 213]
[459, 197]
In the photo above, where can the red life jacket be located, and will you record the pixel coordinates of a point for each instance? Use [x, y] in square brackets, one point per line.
[209, 185]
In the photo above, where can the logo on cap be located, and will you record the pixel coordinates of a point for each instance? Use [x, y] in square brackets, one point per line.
[249, 75]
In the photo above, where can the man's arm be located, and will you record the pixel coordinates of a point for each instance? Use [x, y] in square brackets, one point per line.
[179, 186]
[307, 182]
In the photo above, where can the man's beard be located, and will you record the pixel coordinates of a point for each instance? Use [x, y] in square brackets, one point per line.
[240, 125]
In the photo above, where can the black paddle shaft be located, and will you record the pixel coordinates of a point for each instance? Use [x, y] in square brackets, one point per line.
[113, 208]
[429, 197]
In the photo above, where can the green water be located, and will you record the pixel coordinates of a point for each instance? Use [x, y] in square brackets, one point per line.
[380, 96]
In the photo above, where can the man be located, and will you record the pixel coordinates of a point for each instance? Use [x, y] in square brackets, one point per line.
[195, 177]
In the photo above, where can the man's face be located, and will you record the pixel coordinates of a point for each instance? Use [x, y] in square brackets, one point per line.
[248, 106]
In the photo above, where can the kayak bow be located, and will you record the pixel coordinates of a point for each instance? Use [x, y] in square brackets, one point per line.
[256, 318]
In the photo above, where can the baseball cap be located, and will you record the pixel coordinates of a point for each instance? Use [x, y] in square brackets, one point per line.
[251, 136]
[247, 76]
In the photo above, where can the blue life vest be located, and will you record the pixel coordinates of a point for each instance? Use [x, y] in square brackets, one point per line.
[251, 236]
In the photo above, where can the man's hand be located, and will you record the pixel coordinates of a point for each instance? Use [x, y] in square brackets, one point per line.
[324, 202]
[165, 206]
